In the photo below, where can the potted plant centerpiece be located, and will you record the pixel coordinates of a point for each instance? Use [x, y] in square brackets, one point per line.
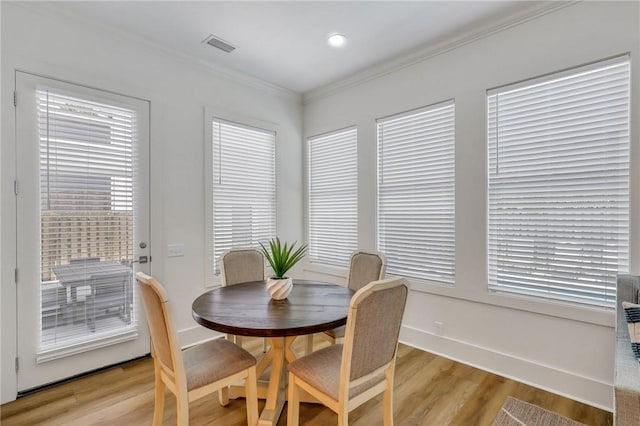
[281, 257]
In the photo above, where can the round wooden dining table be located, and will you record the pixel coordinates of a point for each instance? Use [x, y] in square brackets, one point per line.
[247, 310]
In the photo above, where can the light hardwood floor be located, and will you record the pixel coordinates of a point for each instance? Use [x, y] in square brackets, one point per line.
[429, 390]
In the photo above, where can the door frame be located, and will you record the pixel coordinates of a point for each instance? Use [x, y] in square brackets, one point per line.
[91, 357]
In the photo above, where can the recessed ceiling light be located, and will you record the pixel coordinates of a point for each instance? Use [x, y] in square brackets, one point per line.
[337, 40]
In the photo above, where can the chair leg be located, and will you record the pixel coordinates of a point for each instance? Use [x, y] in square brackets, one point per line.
[293, 403]
[388, 407]
[388, 398]
[330, 339]
[343, 417]
[309, 344]
[251, 394]
[158, 408]
[223, 396]
[182, 402]
[264, 346]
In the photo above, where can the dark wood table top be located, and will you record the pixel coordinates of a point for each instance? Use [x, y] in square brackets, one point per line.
[247, 309]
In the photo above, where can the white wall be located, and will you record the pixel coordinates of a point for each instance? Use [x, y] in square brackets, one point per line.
[86, 53]
[567, 350]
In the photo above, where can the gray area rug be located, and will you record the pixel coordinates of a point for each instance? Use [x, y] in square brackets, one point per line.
[519, 413]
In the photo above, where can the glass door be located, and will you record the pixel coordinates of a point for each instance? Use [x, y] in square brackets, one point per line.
[82, 226]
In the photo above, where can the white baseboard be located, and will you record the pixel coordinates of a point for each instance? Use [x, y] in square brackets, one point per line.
[194, 335]
[561, 382]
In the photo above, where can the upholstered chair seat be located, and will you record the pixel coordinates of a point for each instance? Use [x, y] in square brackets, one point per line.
[322, 370]
[214, 360]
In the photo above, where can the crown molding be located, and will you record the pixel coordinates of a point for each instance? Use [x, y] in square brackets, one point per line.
[50, 8]
[443, 45]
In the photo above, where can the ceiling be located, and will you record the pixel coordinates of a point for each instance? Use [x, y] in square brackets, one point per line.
[285, 43]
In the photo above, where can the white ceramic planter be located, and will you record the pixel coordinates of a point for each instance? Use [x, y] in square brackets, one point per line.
[279, 288]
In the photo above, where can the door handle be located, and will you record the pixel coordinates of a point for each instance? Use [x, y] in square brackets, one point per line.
[142, 259]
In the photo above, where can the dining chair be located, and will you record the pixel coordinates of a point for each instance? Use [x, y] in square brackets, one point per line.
[364, 267]
[344, 376]
[109, 290]
[241, 265]
[197, 371]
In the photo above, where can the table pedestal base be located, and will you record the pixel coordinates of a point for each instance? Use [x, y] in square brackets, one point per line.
[274, 391]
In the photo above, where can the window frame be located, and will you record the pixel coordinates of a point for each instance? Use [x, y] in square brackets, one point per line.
[493, 290]
[211, 113]
[309, 139]
[450, 102]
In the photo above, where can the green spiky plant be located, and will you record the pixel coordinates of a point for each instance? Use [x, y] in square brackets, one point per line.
[282, 257]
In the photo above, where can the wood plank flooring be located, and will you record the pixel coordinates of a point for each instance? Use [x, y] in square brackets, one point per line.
[429, 390]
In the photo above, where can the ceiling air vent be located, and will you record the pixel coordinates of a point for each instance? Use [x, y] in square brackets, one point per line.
[219, 43]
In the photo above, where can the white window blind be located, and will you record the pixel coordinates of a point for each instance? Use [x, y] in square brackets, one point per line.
[87, 219]
[244, 186]
[559, 184]
[333, 197]
[416, 194]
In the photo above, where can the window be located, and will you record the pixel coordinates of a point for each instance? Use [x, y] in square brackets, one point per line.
[86, 217]
[559, 184]
[243, 206]
[416, 194]
[333, 197]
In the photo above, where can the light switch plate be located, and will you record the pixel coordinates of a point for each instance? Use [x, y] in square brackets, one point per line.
[175, 250]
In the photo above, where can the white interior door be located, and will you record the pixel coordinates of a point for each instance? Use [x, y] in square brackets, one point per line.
[82, 227]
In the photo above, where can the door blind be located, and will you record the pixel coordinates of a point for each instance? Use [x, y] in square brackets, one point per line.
[559, 184]
[86, 206]
[333, 197]
[244, 187]
[416, 194]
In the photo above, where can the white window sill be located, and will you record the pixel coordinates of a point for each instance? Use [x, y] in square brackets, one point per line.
[87, 345]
